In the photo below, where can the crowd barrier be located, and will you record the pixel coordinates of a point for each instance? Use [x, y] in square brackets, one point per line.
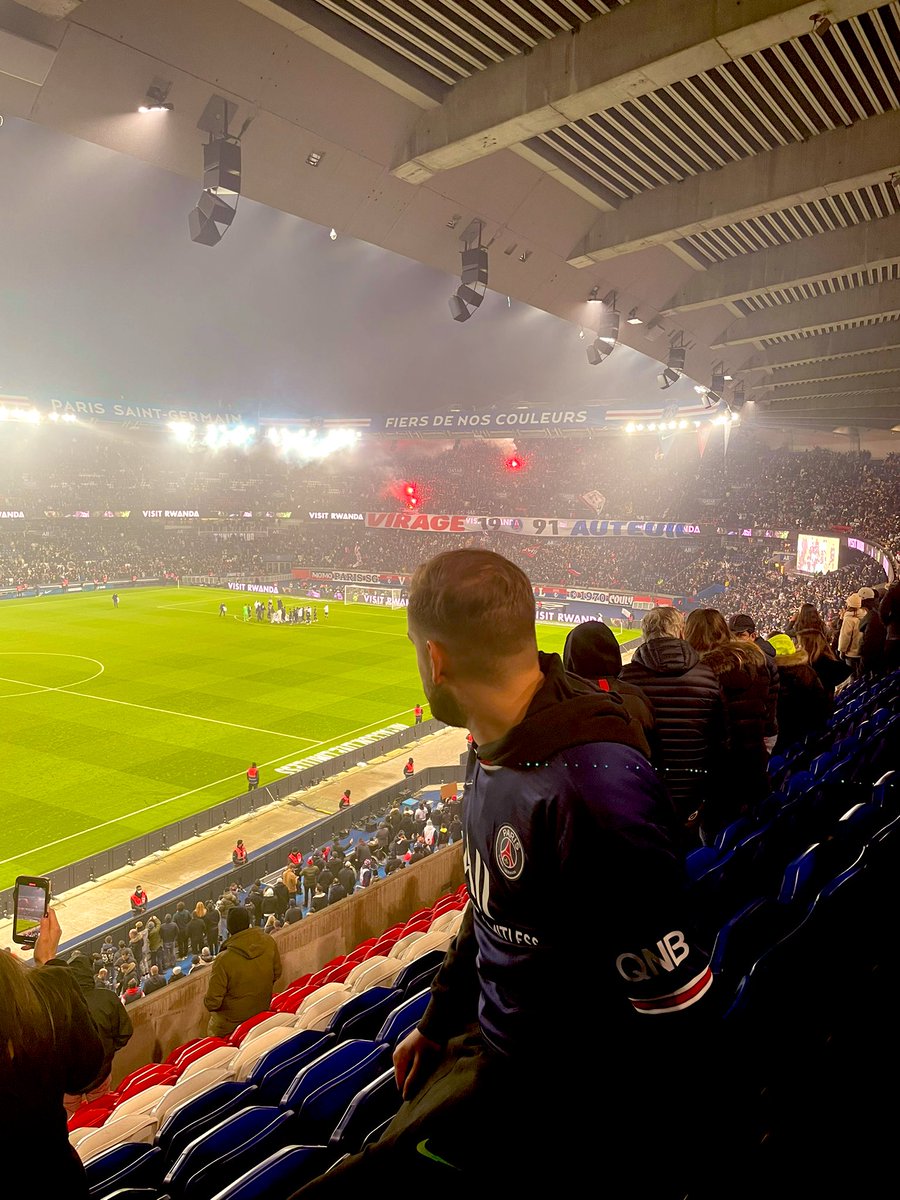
[160, 841]
[270, 858]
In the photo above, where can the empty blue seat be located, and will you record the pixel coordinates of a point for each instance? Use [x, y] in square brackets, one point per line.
[367, 1112]
[132, 1164]
[322, 1109]
[227, 1150]
[358, 1006]
[300, 1043]
[366, 1023]
[183, 1124]
[324, 1069]
[424, 968]
[273, 1084]
[279, 1175]
[404, 1018]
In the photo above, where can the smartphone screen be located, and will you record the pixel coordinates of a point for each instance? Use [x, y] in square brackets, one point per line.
[31, 901]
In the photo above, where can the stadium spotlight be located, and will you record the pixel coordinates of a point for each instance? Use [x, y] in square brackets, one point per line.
[333, 234]
[674, 368]
[214, 213]
[473, 275]
[607, 332]
[182, 431]
[156, 98]
[633, 318]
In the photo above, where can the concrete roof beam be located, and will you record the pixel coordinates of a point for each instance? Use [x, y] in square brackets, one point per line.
[832, 163]
[614, 57]
[805, 316]
[867, 246]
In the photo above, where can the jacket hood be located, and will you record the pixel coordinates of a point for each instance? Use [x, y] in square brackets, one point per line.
[82, 972]
[666, 656]
[249, 943]
[592, 652]
[565, 711]
[798, 659]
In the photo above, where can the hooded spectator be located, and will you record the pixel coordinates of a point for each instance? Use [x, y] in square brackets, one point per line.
[592, 652]
[803, 706]
[242, 976]
[111, 1021]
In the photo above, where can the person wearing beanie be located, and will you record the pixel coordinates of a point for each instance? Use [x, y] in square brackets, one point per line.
[592, 652]
[850, 637]
[872, 632]
[803, 704]
[743, 627]
[242, 975]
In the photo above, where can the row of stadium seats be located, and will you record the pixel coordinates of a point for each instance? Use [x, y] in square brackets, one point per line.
[295, 1088]
[315, 1071]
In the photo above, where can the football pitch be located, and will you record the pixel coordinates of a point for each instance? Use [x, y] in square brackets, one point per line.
[114, 722]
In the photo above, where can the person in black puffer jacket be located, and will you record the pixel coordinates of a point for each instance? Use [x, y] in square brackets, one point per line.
[688, 709]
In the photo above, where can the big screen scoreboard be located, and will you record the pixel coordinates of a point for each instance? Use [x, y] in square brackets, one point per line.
[817, 554]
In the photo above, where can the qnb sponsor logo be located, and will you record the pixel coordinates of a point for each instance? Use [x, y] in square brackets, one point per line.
[641, 965]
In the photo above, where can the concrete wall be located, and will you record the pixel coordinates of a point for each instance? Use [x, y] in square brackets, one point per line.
[175, 1014]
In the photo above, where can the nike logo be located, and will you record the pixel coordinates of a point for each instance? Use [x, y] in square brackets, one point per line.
[422, 1148]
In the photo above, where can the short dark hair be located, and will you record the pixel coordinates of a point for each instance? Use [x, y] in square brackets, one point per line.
[477, 603]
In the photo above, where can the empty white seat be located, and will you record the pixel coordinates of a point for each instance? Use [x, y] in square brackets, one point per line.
[318, 1015]
[401, 947]
[141, 1102]
[327, 989]
[381, 972]
[434, 939]
[221, 1057]
[187, 1088]
[252, 1052]
[134, 1127]
[276, 1020]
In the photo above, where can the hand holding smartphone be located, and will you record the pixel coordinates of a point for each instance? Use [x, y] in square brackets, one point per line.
[31, 904]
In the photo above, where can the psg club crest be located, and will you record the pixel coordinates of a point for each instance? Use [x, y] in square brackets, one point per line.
[508, 852]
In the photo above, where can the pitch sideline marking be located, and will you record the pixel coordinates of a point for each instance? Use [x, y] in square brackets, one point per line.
[181, 796]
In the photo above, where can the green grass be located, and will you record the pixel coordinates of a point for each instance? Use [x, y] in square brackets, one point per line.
[116, 722]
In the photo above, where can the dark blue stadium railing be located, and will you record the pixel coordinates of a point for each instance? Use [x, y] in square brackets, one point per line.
[271, 857]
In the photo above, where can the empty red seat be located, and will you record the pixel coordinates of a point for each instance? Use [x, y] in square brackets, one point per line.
[245, 1026]
[92, 1114]
[197, 1049]
[145, 1077]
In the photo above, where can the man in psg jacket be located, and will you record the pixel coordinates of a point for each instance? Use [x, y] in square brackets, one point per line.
[574, 993]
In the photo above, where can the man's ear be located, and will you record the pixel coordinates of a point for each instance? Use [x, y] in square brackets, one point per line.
[437, 656]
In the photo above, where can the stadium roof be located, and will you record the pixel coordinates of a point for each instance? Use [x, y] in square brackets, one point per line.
[731, 171]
